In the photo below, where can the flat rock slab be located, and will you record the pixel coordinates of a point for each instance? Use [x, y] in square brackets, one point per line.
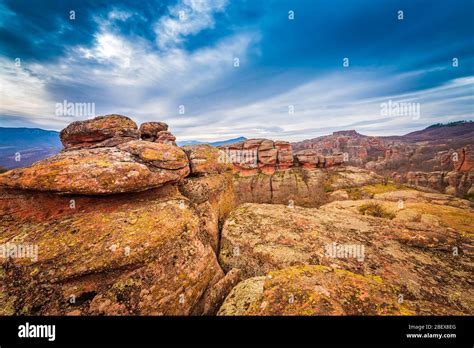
[131, 167]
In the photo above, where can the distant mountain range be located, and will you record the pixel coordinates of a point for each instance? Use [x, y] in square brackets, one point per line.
[456, 133]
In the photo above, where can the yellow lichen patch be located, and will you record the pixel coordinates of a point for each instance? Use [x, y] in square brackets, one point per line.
[381, 188]
[405, 311]
[7, 305]
[321, 290]
[461, 220]
[151, 155]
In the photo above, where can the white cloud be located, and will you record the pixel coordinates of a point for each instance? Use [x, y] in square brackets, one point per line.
[23, 94]
[125, 75]
[187, 17]
[337, 101]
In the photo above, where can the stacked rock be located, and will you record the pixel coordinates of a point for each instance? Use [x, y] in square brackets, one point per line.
[312, 159]
[157, 132]
[102, 131]
[259, 156]
[105, 156]
[265, 156]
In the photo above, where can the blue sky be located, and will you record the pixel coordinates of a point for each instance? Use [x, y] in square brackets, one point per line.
[145, 59]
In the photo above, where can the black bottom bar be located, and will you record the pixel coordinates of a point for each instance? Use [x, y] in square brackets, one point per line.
[291, 331]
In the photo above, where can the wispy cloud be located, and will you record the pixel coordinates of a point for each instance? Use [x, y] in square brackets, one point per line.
[187, 17]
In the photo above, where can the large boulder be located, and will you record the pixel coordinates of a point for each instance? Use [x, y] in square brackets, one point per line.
[102, 131]
[157, 132]
[134, 254]
[424, 262]
[307, 158]
[132, 166]
[158, 156]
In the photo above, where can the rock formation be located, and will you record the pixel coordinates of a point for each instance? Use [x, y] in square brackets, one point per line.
[102, 131]
[126, 223]
[105, 248]
[424, 158]
[149, 130]
[329, 261]
[129, 167]
[255, 156]
[268, 172]
[157, 132]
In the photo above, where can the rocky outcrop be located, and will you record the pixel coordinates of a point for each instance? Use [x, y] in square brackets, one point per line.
[136, 254]
[265, 156]
[297, 186]
[165, 137]
[115, 229]
[284, 154]
[457, 183]
[104, 156]
[129, 167]
[255, 156]
[268, 172]
[465, 162]
[312, 290]
[301, 186]
[397, 252]
[102, 131]
[312, 159]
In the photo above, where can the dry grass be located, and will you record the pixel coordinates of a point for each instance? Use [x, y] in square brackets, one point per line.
[375, 209]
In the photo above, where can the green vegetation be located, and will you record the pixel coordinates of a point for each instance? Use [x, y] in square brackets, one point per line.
[375, 209]
[449, 124]
[384, 188]
[469, 196]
